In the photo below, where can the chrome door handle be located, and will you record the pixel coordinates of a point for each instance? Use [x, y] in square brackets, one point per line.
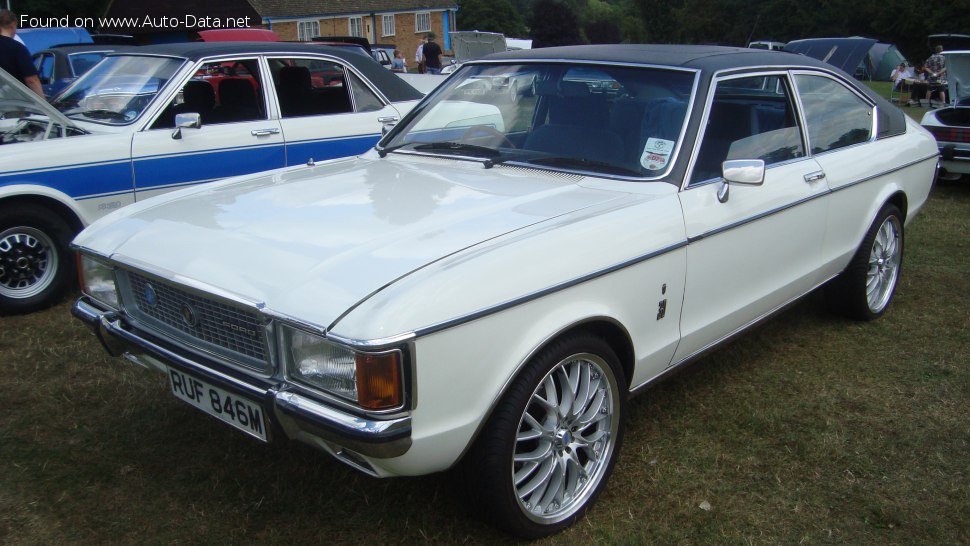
[387, 119]
[264, 132]
[815, 176]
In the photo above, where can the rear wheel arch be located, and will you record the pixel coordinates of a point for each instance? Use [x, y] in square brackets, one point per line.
[899, 199]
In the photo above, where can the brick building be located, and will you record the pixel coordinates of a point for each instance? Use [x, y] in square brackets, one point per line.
[398, 22]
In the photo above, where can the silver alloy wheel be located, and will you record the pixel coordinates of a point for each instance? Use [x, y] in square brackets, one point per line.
[566, 438]
[28, 262]
[884, 260]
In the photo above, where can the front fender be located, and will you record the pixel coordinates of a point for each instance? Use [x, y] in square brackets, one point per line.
[45, 193]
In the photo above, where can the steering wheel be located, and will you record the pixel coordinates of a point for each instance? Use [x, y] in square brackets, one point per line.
[487, 131]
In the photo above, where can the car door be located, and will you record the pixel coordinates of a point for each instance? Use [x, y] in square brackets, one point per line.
[327, 109]
[237, 134]
[841, 134]
[754, 248]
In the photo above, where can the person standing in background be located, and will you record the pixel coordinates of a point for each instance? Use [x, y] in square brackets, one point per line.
[14, 57]
[419, 56]
[936, 74]
[432, 55]
[397, 63]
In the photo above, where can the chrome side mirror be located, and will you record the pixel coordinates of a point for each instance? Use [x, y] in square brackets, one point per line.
[190, 120]
[386, 127]
[740, 172]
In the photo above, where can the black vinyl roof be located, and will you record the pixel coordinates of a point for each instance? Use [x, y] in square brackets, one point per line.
[706, 58]
[393, 87]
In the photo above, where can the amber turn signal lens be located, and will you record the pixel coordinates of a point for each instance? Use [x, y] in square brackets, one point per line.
[379, 381]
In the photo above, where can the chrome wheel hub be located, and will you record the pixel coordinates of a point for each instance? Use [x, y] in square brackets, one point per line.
[28, 262]
[884, 260]
[565, 439]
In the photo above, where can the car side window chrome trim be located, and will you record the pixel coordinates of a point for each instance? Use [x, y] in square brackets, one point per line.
[873, 109]
[734, 74]
[343, 64]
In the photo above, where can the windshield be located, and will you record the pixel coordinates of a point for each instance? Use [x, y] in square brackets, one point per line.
[117, 91]
[611, 120]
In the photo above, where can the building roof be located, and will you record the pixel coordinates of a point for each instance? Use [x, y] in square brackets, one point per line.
[305, 8]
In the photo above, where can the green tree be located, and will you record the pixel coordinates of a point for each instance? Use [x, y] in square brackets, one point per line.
[491, 16]
[602, 22]
[554, 23]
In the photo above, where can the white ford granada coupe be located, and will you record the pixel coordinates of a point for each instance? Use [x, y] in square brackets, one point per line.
[487, 287]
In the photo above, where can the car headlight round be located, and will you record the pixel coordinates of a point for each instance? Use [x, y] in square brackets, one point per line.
[98, 281]
[371, 380]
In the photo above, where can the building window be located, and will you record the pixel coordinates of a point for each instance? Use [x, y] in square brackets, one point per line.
[306, 30]
[422, 22]
[388, 24]
[356, 26]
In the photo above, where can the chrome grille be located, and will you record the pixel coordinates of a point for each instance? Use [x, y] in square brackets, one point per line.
[237, 331]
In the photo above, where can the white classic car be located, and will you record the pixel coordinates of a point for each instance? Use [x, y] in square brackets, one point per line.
[951, 125]
[488, 286]
[151, 119]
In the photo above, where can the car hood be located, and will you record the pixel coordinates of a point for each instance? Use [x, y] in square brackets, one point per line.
[312, 242]
[469, 45]
[958, 74]
[844, 53]
[15, 96]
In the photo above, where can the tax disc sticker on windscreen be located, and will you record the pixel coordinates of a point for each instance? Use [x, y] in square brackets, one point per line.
[656, 153]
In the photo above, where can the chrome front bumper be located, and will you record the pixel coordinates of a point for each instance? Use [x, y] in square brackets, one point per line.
[295, 415]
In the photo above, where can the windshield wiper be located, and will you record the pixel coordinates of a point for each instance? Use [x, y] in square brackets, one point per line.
[585, 164]
[99, 114]
[481, 151]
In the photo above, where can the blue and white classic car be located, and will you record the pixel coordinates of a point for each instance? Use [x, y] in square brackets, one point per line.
[146, 121]
[489, 285]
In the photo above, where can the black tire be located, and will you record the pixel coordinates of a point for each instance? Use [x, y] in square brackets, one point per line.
[866, 288]
[581, 440]
[36, 264]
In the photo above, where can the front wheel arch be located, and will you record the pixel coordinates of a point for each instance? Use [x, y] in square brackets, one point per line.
[490, 465]
[37, 265]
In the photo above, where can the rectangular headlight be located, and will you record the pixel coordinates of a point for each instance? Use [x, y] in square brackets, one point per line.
[98, 280]
[371, 380]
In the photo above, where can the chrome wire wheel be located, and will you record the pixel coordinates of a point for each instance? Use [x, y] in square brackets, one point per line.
[566, 439]
[28, 262]
[884, 261]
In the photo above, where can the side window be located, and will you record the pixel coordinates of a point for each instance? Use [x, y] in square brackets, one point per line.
[364, 98]
[310, 87]
[82, 62]
[45, 68]
[836, 117]
[220, 92]
[750, 118]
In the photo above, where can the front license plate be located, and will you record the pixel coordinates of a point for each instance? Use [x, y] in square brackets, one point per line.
[236, 410]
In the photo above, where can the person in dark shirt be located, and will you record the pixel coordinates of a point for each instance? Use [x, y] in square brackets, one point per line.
[432, 55]
[14, 57]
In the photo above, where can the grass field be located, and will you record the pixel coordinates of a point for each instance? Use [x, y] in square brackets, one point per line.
[808, 429]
